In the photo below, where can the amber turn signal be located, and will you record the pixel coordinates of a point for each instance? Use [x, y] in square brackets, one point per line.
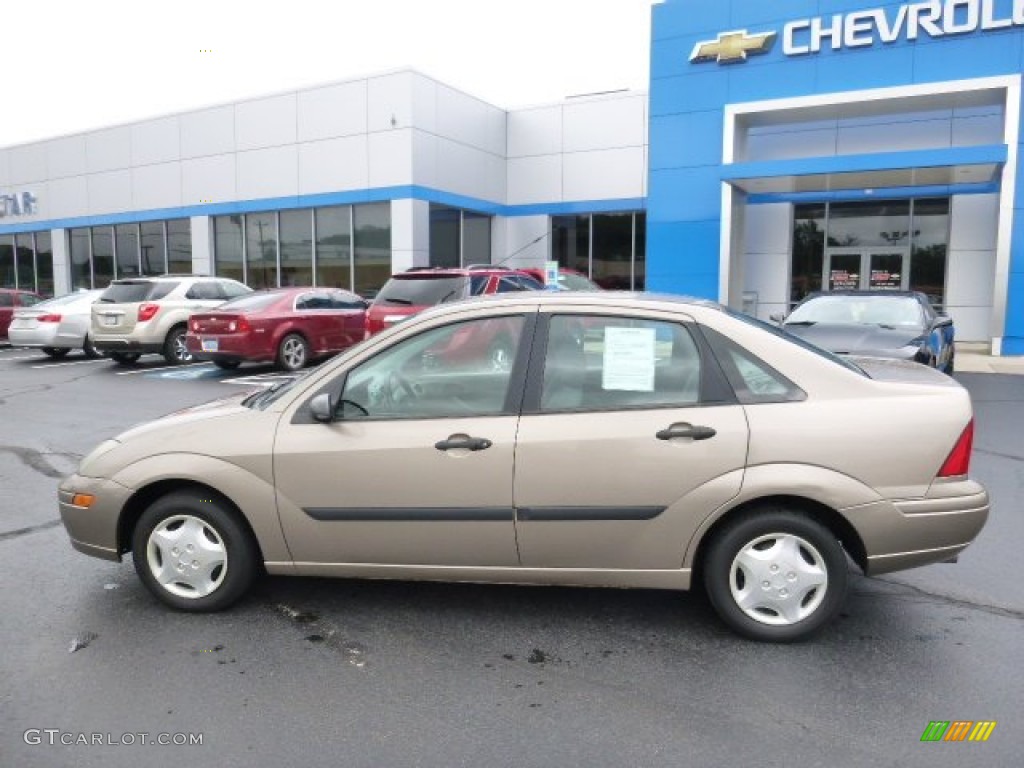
[83, 500]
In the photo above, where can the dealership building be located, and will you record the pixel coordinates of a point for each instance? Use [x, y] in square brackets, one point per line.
[782, 147]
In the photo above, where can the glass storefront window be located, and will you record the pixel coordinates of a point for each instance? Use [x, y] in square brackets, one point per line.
[930, 244]
[476, 238]
[179, 246]
[334, 247]
[8, 277]
[808, 250]
[261, 250]
[372, 252]
[227, 247]
[25, 261]
[44, 263]
[154, 253]
[444, 236]
[81, 267]
[126, 243]
[869, 223]
[640, 259]
[296, 248]
[570, 242]
[102, 256]
[612, 266]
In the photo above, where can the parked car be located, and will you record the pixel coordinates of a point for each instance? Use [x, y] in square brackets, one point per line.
[679, 443]
[289, 326]
[143, 315]
[899, 324]
[409, 293]
[10, 299]
[568, 279]
[56, 326]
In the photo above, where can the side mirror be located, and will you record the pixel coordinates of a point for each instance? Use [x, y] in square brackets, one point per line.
[777, 317]
[943, 321]
[322, 408]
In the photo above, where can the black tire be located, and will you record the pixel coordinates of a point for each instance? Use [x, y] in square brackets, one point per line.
[175, 351]
[228, 552]
[810, 570]
[292, 353]
[90, 349]
[950, 368]
[56, 352]
[125, 358]
[227, 365]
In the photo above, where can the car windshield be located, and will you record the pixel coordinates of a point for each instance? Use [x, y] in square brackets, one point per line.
[888, 311]
[251, 302]
[423, 290]
[776, 331]
[260, 400]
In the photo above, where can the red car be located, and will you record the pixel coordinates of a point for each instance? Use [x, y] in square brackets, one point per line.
[410, 292]
[10, 300]
[289, 326]
[568, 279]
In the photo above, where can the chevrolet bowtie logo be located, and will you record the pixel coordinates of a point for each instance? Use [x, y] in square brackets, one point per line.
[731, 47]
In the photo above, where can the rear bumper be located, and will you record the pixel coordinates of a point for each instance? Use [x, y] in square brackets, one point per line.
[909, 533]
[229, 349]
[40, 337]
[115, 344]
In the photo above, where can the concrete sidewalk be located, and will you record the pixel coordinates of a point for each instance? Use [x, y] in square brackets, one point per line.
[972, 357]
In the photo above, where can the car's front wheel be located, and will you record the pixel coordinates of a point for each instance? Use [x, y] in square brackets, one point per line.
[775, 575]
[192, 552]
[175, 351]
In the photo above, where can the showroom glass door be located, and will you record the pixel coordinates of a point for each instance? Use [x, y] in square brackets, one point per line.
[867, 269]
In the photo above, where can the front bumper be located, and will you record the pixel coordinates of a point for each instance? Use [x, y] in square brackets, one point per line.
[93, 530]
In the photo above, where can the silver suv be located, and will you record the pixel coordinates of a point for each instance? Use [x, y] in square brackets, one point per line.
[144, 315]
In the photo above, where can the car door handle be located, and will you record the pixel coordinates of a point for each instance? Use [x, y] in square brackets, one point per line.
[464, 442]
[686, 430]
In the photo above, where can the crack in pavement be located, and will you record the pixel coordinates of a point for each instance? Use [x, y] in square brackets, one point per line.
[31, 529]
[1008, 613]
[37, 460]
[1009, 456]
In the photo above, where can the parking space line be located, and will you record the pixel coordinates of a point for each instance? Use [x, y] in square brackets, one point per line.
[73, 362]
[157, 368]
[13, 359]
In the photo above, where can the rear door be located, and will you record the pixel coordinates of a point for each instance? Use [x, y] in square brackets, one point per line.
[629, 438]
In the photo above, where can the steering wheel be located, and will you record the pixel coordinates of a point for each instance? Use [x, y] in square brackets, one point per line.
[399, 388]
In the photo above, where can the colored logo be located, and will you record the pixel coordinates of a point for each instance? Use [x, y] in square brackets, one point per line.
[958, 730]
[732, 47]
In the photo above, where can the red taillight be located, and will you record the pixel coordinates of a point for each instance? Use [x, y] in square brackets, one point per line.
[239, 325]
[195, 326]
[48, 318]
[147, 311]
[959, 460]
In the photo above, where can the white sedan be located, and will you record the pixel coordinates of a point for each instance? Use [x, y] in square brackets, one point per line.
[56, 326]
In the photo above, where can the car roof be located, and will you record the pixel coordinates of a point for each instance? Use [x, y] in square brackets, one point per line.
[609, 299]
[876, 292]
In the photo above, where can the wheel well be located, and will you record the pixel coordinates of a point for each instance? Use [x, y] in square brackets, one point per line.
[145, 496]
[838, 525]
[183, 324]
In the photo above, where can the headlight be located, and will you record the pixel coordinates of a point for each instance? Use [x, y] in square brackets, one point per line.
[105, 447]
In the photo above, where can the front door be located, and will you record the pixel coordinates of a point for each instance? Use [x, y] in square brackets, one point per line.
[867, 269]
[417, 467]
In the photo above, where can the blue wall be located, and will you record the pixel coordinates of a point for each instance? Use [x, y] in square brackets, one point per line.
[687, 112]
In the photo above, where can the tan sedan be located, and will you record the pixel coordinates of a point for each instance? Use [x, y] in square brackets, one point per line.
[626, 440]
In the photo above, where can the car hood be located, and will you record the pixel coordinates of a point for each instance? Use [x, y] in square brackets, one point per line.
[855, 339]
[182, 420]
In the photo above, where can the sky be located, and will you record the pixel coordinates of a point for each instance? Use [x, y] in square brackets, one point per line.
[75, 65]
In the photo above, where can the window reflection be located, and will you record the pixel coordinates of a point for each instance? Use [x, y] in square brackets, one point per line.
[25, 262]
[151, 245]
[372, 247]
[44, 264]
[126, 243]
[227, 244]
[8, 279]
[102, 256]
[334, 247]
[261, 250]
[610, 248]
[179, 246]
[296, 248]
[81, 268]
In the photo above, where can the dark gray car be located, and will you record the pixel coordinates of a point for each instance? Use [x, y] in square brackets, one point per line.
[898, 324]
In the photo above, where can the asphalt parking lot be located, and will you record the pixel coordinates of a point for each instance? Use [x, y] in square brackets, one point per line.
[346, 673]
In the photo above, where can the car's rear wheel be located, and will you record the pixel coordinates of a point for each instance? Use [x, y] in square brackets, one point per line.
[125, 358]
[192, 552]
[293, 352]
[775, 575]
[56, 351]
[227, 365]
[90, 349]
[175, 351]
